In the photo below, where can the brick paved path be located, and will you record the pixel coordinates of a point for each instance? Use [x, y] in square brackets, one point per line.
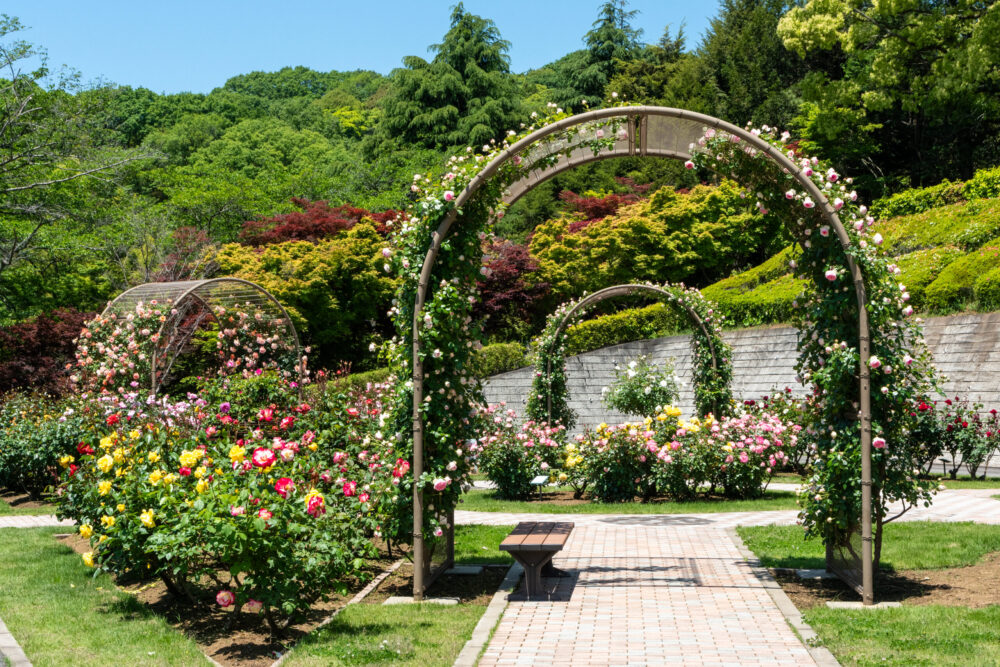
[648, 595]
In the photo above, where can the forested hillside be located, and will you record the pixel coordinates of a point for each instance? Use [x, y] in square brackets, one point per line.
[291, 178]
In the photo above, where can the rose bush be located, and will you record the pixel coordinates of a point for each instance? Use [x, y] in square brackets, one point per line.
[273, 503]
[512, 454]
[642, 387]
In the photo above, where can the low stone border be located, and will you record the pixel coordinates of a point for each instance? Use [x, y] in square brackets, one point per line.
[484, 628]
[10, 650]
[792, 615]
[361, 595]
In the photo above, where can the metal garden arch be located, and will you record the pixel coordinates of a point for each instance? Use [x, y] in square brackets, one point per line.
[654, 132]
[623, 290]
[192, 303]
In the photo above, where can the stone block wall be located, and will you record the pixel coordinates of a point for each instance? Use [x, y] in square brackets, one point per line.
[966, 349]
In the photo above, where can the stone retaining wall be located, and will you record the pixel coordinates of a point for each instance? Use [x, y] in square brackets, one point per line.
[966, 350]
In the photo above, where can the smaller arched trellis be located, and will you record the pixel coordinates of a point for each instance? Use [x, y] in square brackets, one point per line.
[252, 323]
[711, 363]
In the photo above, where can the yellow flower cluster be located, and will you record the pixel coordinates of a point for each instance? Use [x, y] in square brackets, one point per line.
[86, 531]
[573, 457]
[105, 463]
[104, 487]
[237, 454]
[191, 457]
[147, 518]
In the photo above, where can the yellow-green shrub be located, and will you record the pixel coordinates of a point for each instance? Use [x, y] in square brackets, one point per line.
[955, 286]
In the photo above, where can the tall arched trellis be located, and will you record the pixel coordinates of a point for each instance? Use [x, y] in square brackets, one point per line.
[193, 303]
[707, 333]
[645, 131]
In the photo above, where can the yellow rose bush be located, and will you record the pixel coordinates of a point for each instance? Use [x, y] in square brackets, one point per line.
[268, 501]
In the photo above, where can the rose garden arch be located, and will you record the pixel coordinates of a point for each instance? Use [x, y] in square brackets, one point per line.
[711, 357]
[575, 140]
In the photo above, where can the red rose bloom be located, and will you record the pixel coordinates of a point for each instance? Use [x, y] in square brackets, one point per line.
[283, 486]
[263, 457]
[112, 419]
[184, 472]
[350, 488]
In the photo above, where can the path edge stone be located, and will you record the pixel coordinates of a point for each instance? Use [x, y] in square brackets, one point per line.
[469, 655]
[821, 654]
[10, 649]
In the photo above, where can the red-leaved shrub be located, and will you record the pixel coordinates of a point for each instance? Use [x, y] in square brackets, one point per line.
[508, 292]
[316, 220]
[34, 353]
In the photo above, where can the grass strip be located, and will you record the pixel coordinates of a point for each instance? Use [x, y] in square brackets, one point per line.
[915, 545]
[61, 614]
[479, 500]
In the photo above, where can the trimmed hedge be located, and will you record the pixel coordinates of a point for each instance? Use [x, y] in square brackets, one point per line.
[954, 288]
[922, 267]
[490, 360]
[985, 184]
[498, 358]
[623, 327]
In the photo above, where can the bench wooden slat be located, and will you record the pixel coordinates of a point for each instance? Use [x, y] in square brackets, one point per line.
[558, 535]
[536, 539]
[516, 537]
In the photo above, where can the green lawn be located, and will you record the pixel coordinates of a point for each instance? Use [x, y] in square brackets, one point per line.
[367, 634]
[7, 510]
[427, 634]
[925, 635]
[62, 615]
[479, 500]
[481, 544]
[908, 635]
[967, 482]
[917, 545]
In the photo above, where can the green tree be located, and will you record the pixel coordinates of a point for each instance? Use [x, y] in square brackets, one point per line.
[917, 97]
[751, 67]
[465, 95]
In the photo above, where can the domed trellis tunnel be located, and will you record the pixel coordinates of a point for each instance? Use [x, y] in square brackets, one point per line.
[636, 131]
[229, 303]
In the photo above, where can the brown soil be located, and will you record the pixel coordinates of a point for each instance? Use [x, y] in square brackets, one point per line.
[23, 500]
[956, 587]
[245, 641]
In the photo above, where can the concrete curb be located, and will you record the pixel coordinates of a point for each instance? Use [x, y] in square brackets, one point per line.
[469, 655]
[792, 615]
[10, 649]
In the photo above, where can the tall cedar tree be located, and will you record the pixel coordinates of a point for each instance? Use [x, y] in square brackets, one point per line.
[466, 95]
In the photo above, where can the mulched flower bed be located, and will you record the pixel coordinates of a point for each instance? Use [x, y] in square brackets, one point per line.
[970, 586]
[247, 641]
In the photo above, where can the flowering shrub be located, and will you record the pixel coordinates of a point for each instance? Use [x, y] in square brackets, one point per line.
[802, 411]
[752, 448]
[956, 426]
[642, 387]
[512, 454]
[34, 437]
[619, 461]
[253, 497]
[115, 351]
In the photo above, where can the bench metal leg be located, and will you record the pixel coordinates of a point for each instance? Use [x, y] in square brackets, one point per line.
[533, 562]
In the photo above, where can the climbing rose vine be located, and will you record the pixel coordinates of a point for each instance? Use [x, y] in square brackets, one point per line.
[827, 317]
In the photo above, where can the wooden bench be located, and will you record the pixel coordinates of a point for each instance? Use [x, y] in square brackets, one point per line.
[533, 544]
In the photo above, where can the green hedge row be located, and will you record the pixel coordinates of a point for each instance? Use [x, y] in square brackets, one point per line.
[985, 184]
[490, 360]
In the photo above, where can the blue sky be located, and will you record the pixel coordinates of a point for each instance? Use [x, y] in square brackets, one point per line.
[182, 45]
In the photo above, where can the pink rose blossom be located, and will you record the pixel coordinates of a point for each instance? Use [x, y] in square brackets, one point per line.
[225, 598]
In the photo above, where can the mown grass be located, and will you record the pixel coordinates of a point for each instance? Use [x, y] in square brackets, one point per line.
[481, 544]
[925, 635]
[908, 635]
[62, 615]
[967, 482]
[917, 545]
[6, 509]
[478, 500]
[425, 634]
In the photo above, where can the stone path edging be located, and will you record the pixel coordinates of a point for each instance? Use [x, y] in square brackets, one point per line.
[481, 634]
[10, 649]
[821, 654]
